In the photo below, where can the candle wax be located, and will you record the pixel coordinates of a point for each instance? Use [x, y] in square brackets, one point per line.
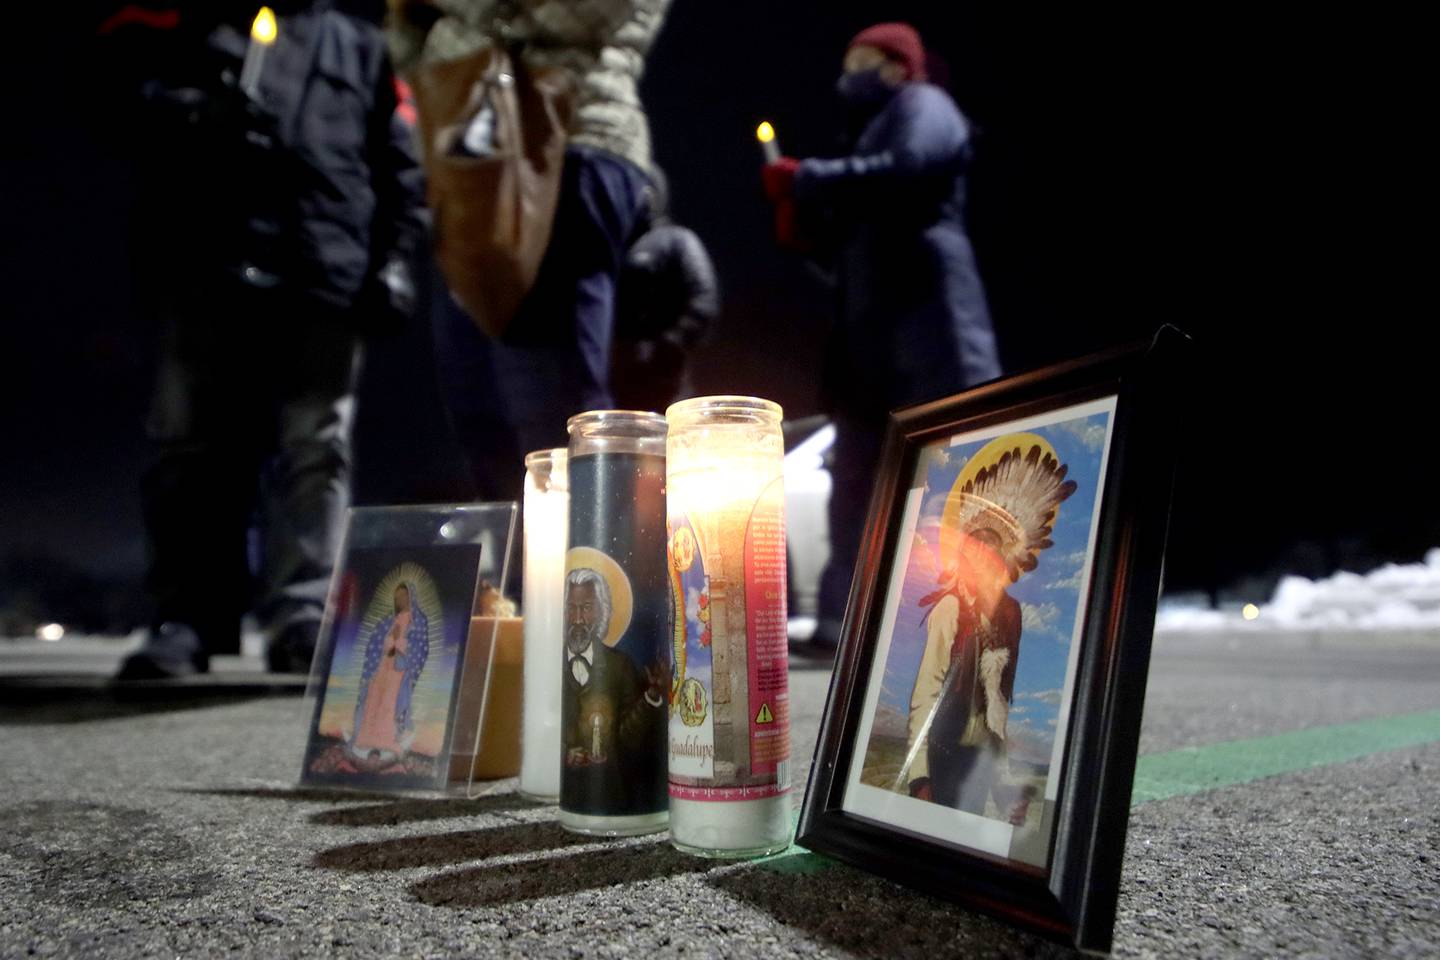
[546, 522]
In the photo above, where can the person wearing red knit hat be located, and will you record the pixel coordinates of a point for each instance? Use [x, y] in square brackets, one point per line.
[912, 322]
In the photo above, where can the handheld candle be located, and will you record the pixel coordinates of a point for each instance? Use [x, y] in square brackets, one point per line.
[765, 133]
[262, 36]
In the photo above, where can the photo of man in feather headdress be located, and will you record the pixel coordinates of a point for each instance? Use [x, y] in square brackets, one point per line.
[978, 662]
[998, 519]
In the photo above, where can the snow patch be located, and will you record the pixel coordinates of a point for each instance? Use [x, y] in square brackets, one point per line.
[1395, 597]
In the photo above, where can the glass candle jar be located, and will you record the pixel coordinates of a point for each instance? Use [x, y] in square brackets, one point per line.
[730, 716]
[616, 672]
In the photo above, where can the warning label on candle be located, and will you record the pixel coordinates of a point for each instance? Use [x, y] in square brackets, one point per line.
[730, 701]
[765, 627]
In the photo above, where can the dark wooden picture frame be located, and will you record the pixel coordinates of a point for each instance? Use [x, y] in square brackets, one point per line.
[1071, 899]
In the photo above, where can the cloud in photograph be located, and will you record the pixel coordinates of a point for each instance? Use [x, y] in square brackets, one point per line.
[1065, 568]
[1040, 617]
[1090, 432]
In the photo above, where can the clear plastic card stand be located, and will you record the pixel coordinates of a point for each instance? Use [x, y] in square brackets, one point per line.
[415, 685]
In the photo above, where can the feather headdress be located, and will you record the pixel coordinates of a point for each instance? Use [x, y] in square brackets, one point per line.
[1013, 489]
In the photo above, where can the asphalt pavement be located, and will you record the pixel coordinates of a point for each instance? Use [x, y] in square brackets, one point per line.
[172, 827]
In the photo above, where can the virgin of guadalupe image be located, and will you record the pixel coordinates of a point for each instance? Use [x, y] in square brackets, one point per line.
[997, 520]
[395, 654]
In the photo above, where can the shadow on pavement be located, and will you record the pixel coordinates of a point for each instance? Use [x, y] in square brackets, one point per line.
[420, 810]
[867, 916]
[444, 849]
[557, 876]
[30, 701]
[295, 795]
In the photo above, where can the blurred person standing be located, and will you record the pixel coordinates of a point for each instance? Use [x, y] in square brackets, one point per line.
[277, 212]
[912, 321]
[668, 301]
[508, 397]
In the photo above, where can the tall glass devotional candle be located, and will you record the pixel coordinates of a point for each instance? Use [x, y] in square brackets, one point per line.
[730, 700]
[616, 669]
[547, 519]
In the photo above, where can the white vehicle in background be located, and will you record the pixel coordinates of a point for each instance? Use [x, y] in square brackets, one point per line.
[807, 531]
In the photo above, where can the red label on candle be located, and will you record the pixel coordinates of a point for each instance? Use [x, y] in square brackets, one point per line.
[765, 629]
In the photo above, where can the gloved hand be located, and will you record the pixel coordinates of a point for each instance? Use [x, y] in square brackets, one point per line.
[787, 227]
[779, 179]
[387, 300]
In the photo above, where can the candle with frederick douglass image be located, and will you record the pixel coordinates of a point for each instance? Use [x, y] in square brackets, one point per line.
[616, 620]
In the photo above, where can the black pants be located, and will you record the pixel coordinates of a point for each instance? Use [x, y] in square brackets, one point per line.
[852, 476]
[962, 777]
[253, 408]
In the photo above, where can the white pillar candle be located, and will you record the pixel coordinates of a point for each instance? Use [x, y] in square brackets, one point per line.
[547, 517]
[769, 146]
[262, 35]
[730, 710]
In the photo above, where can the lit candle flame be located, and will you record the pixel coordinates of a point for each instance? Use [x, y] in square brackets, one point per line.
[765, 133]
[263, 30]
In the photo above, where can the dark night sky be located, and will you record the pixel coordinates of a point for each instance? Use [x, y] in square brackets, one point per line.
[1243, 176]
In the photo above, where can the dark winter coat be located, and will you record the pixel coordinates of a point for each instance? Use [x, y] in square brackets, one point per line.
[667, 289]
[312, 185]
[913, 323]
[668, 299]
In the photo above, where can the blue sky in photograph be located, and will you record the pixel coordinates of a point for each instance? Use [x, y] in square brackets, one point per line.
[1049, 595]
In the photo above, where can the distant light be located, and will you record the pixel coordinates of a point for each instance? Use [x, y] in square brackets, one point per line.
[449, 530]
[51, 632]
[1251, 612]
[263, 30]
[765, 132]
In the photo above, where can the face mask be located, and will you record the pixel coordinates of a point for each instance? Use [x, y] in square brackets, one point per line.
[864, 88]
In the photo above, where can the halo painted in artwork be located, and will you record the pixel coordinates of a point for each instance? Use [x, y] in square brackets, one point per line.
[621, 596]
[382, 603]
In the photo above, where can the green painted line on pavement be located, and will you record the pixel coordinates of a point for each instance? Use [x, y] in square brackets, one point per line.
[795, 859]
[1192, 770]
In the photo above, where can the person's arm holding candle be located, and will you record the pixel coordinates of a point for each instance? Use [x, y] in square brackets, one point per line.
[928, 138]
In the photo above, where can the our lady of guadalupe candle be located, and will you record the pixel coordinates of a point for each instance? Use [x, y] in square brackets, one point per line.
[616, 664]
[729, 698]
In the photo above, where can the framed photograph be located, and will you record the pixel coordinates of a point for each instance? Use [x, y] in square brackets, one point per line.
[980, 734]
[394, 654]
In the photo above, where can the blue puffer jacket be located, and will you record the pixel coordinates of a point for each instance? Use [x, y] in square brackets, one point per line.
[913, 324]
